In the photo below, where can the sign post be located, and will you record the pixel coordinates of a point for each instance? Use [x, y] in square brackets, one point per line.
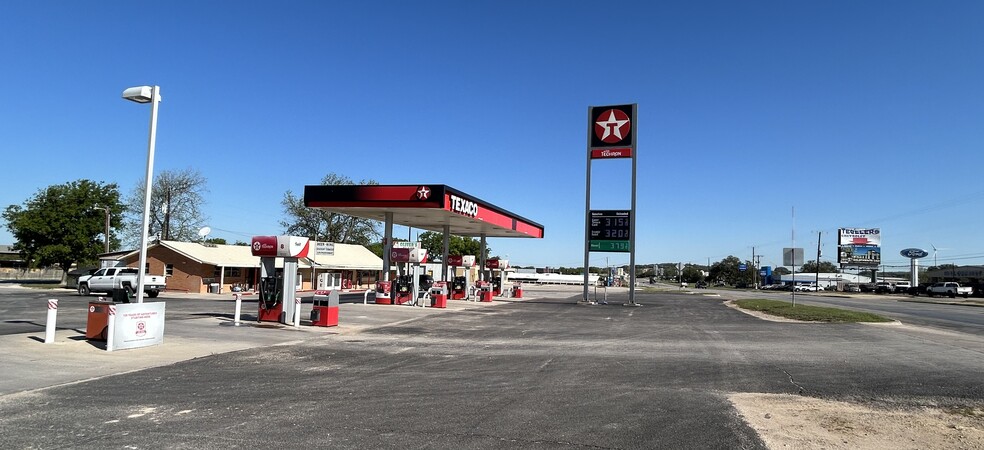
[793, 257]
[611, 134]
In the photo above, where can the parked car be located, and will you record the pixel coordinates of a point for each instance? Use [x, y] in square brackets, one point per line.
[949, 289]
[107, 279]
[807, 288]
[902, 287]
[851, 287]
[884, 287]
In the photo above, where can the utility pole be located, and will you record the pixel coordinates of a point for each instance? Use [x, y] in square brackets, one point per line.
[819, 233]
[758, 263]
[755, 275]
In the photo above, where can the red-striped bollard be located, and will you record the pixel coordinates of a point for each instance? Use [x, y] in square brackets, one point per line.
[111, 328]
[49, 328]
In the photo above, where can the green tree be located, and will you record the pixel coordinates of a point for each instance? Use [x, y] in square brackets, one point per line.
[457, 245]
[60, 226]
[780, 271]
[825, 267]
[176, 202]
[728, 271]
[328, 226]
[671, 271]
[692, 274]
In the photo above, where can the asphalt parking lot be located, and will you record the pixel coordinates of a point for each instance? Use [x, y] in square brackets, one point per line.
[543, 372]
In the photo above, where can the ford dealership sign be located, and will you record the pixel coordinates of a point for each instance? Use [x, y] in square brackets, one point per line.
[914, 253]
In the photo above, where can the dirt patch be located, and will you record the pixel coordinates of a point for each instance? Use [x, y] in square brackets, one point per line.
[791, 421]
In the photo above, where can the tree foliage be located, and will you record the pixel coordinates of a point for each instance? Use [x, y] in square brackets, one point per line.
[60, 226]
[692, 273]
[176, 201]
[727, 270]
[457, 245]
[825, 267]
[327, 226]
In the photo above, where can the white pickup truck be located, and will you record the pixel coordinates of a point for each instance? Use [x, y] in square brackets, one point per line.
[107, 279]
[949, 289]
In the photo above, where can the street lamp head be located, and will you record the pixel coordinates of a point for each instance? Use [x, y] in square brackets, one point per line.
[139, 94]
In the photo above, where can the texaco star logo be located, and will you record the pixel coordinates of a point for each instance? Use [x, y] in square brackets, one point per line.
[423, 193]
[256, 246]
[612, 126]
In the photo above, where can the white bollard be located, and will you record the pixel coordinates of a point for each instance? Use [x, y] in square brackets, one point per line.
[297, 312]
[49, 328]
[239, 306]
[111, 328]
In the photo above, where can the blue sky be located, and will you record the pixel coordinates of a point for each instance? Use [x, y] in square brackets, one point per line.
[856, 114]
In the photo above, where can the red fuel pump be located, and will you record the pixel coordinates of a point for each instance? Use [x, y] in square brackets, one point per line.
[460, 284]
[403, 289]
[271, 305]
[497, 274]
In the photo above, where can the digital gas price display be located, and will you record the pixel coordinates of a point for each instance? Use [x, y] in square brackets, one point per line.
[609, 230]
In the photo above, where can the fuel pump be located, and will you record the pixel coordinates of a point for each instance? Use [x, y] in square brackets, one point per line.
[278, 289]
[497, 271]
[271, 297]
[407, 261]
[402, 289]
[460, 284]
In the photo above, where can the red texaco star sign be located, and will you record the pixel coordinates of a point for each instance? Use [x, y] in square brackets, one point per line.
[612, 126]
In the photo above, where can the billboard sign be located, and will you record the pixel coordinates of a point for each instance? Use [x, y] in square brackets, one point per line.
[859, 246]
[859, 236]
[859, 255]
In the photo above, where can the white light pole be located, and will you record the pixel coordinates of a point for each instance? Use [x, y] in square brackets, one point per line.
[152, 95]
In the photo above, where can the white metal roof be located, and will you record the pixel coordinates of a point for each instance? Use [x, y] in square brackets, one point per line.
[346, 257]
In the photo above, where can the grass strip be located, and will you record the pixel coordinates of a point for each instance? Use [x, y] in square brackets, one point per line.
[809, 313]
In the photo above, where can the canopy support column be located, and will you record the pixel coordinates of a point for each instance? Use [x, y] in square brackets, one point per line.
[387, 245]
[444, 255]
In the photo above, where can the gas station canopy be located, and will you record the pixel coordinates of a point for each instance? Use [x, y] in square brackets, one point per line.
[429, 207]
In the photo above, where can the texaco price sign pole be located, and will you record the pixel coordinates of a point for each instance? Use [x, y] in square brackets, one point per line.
[611, 134]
